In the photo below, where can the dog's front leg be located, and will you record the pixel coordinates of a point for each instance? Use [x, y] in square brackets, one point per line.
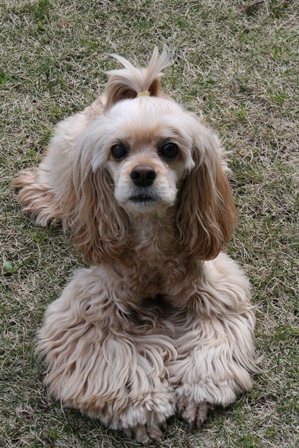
[101, 362]
[215, 347]
[213, 366]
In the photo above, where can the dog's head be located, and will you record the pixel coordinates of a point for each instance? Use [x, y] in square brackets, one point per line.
[146, 154]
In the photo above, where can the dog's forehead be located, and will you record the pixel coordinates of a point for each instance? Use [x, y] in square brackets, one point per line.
[139, 135]
[147, 121]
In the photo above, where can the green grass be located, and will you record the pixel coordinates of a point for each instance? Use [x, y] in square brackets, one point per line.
[237, 63]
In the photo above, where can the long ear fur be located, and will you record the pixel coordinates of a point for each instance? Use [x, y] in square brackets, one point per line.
[100, 227]
[206, 214]
[128, 82]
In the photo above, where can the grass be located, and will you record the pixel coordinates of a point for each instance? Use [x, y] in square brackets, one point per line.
[235, 62]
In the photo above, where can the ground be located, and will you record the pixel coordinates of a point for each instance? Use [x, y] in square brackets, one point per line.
[235, 62]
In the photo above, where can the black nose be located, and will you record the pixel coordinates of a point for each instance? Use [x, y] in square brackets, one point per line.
[143, 175]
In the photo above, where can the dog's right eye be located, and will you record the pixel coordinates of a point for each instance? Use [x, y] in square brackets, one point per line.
[169, 151]
[118, 151]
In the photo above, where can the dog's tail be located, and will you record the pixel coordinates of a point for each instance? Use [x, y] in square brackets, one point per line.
[131, 81]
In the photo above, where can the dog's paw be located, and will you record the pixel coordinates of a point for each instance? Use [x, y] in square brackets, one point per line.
[145, 434]
[195, 414]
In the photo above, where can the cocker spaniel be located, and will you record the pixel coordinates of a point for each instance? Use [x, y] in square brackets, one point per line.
[162, 321]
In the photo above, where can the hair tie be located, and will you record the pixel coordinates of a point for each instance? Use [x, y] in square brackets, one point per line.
[144, 93]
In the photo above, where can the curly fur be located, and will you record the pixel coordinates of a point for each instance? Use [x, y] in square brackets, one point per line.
[162, 320]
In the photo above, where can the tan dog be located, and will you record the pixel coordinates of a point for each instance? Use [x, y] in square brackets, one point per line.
[162, 321]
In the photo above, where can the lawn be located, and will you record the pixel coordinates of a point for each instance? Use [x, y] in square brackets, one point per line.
[237, 64]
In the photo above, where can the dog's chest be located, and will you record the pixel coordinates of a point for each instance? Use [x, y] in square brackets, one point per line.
[154, 261]
[152, 272]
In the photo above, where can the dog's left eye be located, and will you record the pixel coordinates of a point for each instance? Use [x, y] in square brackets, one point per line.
[118, 151]
[169, 150]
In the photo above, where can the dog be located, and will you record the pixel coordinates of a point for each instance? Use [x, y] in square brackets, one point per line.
[162, 320]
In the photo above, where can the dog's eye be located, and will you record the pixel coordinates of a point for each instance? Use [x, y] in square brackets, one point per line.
[169, 151]
[118, 151]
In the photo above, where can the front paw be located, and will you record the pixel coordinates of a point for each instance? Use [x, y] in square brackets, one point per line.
[195, 413]
[145, 420]
[145, 434]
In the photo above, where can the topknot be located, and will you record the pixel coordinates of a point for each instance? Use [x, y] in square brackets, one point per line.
[131, 81]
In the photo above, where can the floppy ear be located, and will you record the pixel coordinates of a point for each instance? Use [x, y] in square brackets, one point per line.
[100, 227]
[206, 213]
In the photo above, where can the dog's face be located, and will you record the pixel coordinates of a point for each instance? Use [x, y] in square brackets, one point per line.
[147, 153]
[143, 156]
